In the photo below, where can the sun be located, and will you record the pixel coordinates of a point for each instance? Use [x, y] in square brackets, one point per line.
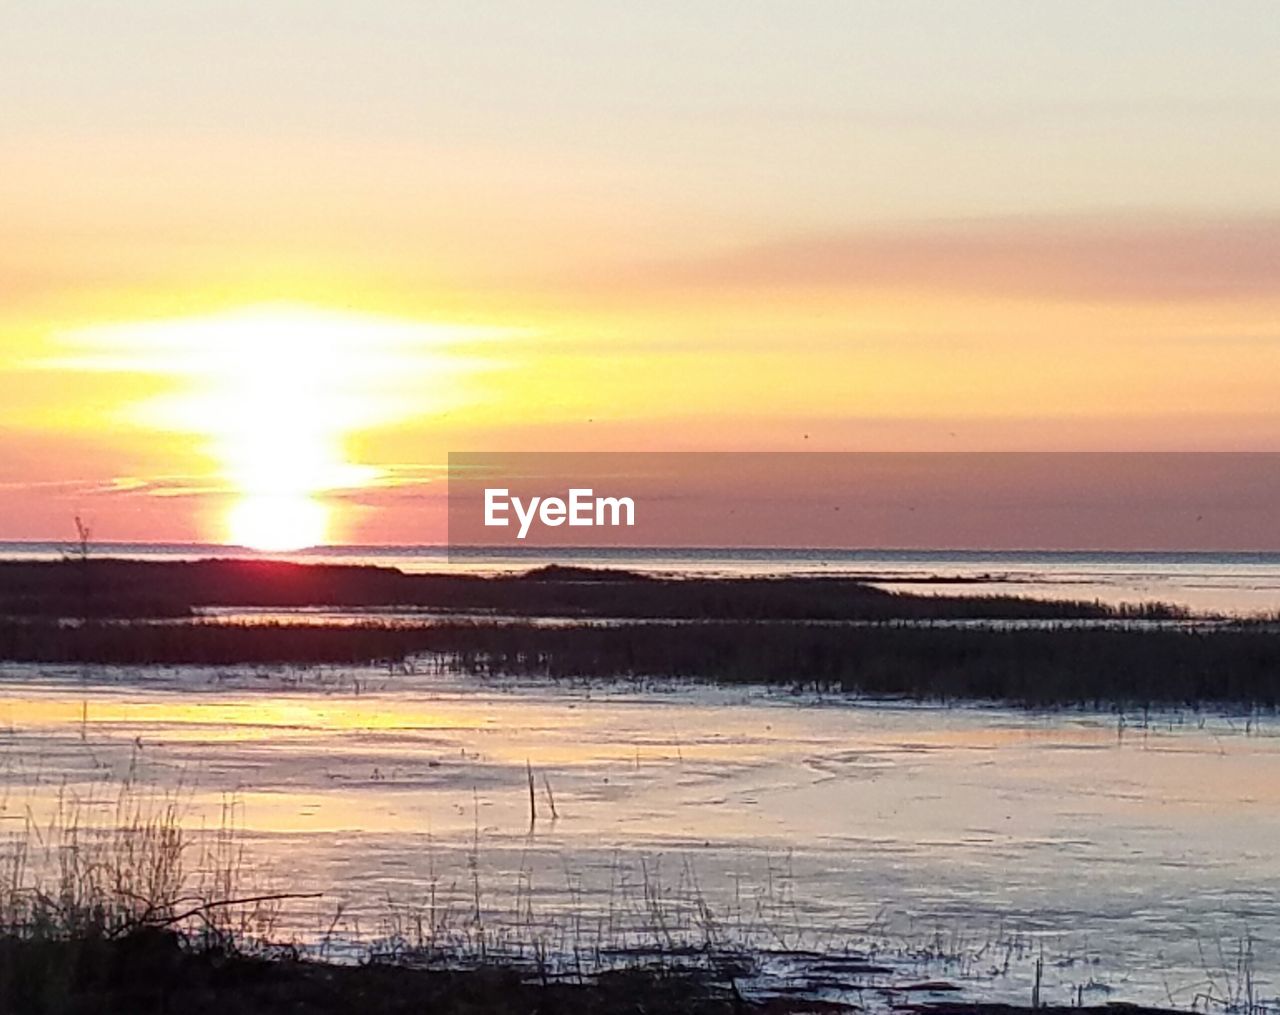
[277, 524]
[273, 394]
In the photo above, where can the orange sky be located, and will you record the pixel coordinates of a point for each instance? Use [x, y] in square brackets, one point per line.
[261, 270]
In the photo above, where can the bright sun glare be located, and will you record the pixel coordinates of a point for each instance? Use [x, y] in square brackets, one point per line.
[277, 524]
[275, 393]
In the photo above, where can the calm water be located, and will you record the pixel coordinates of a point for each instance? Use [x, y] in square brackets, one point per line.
[1138, 860]
[1135, 857]
[1235, 583]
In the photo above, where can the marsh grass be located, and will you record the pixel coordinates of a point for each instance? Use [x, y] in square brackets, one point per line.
[99, 892]
[1230, 982]
[1031, 667]
[1214, 666]
[107, 868]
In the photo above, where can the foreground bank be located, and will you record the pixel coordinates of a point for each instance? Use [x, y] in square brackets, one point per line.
[154, 972]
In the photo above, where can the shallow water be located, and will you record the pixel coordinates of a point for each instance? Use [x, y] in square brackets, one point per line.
[1135, 858]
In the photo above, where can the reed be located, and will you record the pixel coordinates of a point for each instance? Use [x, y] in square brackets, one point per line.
[130, 913]
[1236, 666]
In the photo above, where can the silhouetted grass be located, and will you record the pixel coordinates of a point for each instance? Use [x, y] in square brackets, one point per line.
[1036, 667]
[155, 974]
[131, 914]
[139, 643]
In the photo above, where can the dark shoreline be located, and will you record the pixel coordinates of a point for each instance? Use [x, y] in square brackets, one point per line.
[824, 634]
[1070, 667]
[156, 972]
[119, 588]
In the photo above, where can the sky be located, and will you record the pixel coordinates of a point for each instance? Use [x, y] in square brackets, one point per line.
[263, 265]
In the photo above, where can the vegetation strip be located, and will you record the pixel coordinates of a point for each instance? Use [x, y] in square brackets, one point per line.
[1219, 667]
[135, 589]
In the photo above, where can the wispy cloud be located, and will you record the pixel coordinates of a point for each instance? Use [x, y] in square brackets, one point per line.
[1078, 259]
